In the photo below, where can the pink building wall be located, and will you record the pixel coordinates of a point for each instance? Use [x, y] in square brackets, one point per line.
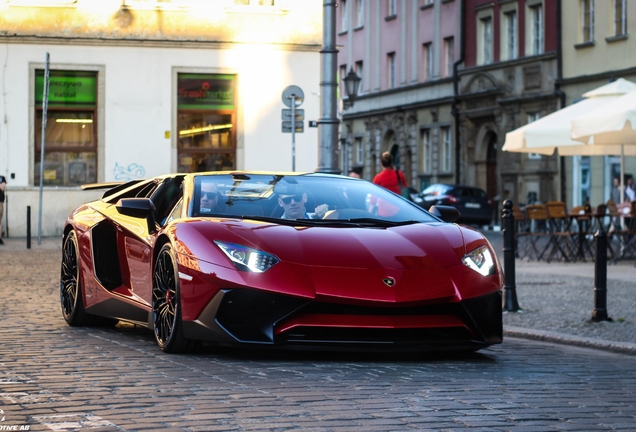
[549, 28]
[409, 53]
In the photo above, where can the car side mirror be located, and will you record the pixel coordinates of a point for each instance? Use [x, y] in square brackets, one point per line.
[142, 208]
[445, 213]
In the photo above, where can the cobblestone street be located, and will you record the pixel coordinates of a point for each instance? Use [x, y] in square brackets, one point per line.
[54, 377]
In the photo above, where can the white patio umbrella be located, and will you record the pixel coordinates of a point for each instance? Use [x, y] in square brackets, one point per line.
[554, 131]
[615, 124]
[610, 128]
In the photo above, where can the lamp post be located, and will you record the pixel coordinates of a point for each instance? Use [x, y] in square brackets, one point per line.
[328, 124]
[351, 86]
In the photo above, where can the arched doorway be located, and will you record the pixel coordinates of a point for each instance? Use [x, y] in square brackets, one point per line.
[395, 153]
[373, 168]
[390, 144]
[491, 165]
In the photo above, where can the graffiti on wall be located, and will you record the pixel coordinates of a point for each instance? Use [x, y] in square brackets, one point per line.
[130, 172]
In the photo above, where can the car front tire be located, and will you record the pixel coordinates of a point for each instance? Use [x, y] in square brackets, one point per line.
[70, 286]
[166, 304]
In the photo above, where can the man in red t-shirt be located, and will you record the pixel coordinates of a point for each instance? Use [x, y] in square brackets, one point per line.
[390, 179]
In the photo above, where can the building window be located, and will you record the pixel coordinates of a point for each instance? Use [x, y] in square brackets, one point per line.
[532, 117]
[620, 17]
[360, 72]
[70, 150]
[587, 21]
[342, 89]
[344, 15]
[449, 56]
[427, 152]
[536, 30]
[360, 4]
[392, 8]
[428, 62]
[510, 35]
[446, 149]
[485, 41]
[391, 70]
[206, 121]
[359, 151]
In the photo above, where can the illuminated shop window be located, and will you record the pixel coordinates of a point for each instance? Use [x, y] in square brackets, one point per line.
[206, 123]
[70, 151]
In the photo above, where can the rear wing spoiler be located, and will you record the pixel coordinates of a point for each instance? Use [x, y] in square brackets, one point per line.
[113, 187]
[93, 186]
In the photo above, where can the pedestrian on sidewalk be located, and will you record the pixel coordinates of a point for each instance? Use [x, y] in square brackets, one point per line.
[630, 189]
[390, 178]
[356, 172]
[3, 186]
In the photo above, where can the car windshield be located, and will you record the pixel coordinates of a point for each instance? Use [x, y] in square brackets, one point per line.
[308, 197]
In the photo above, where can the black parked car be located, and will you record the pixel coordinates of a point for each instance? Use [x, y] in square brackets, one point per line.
[473, 204]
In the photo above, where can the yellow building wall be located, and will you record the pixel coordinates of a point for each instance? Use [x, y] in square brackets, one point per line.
[607, 52]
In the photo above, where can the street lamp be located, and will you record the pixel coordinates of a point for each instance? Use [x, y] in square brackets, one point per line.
[352, 84]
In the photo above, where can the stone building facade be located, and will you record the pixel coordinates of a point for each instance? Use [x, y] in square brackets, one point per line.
[405, 53]
[508, 80]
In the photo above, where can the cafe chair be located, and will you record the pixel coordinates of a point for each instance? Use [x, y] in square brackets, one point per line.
[522, 232]
[538, 234]
[582, 223]
[601, 219]
[615, 232]
[622, 230]
[561, 243]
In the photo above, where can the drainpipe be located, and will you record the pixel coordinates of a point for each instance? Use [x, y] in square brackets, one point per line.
[560, 94]
[455, 108]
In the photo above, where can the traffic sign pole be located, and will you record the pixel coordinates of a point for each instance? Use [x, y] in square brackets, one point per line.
[293, 132]
[293, 97]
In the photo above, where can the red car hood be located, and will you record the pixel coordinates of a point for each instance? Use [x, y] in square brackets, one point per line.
[421, 259]
[418, 245]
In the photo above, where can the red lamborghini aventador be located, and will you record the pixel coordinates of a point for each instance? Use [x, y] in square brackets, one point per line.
[279, 260]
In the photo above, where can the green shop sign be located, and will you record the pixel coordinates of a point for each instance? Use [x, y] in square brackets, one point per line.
[209, 92]
[67, 88]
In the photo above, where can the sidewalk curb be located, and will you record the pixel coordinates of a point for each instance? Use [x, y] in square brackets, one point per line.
[560, 338]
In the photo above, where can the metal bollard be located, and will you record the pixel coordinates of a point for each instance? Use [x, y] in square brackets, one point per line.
[600, 278]
[28, 227]
[510, 290]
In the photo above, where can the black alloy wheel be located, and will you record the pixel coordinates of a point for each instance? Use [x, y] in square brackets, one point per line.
[166, 304]
[70, 289]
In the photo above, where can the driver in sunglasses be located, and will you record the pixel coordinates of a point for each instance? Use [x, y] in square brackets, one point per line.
[209, 198]
[292, 199]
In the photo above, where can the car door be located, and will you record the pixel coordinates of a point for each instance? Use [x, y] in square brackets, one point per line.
[138, 248]
[133, 237]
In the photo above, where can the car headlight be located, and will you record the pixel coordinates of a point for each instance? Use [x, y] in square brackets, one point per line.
[480, 260]
[248, 259]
